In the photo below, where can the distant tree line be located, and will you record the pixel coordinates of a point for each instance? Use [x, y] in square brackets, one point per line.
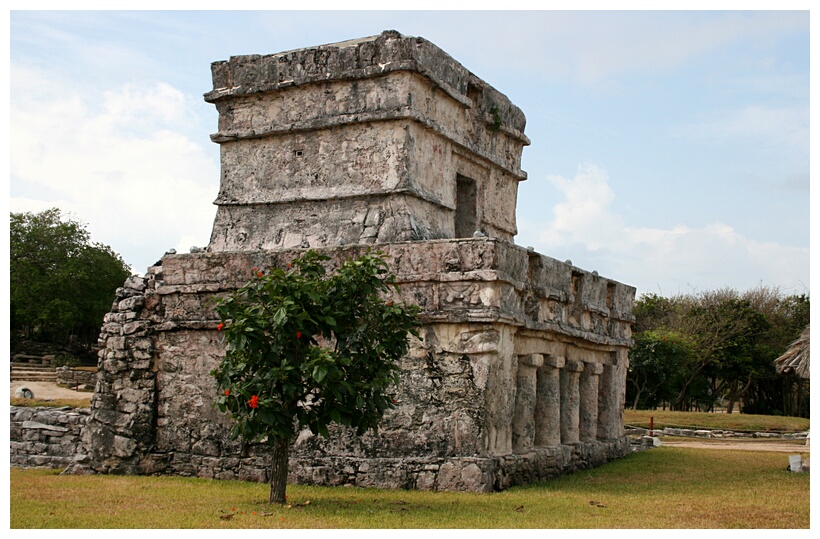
[717, 349]
[61, 283]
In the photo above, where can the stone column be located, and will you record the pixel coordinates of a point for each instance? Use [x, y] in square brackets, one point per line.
[611, 395]
[523, 428]
[548, 403]
[607, 418]
[589, 401]
[570, 401]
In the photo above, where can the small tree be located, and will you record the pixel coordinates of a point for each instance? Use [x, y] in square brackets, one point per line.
[304, 349]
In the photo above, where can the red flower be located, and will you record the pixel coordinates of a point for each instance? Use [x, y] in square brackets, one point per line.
[298, 334]
[227, 392]
[254, 402]
[255, 269]
[259, 274]
[219, 326]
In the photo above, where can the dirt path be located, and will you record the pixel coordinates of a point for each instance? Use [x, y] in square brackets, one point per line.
[784, 446]
[49, 391]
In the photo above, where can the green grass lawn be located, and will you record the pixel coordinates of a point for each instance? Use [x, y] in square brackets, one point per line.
[660, 488]
[738, 422]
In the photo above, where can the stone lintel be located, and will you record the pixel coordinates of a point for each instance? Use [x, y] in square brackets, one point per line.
[42, 426]
[556, 362]
[573, 365]
[593, 368]
[531, 360]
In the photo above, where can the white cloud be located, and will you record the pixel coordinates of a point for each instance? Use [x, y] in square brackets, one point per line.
[680, 259]
[115, 160]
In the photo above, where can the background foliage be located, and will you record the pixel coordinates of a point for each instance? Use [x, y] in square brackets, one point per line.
[61, 283]
[717, 349]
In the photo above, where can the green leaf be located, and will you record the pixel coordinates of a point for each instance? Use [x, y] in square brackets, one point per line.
[319, 373]
[335, 416]
[267, 417]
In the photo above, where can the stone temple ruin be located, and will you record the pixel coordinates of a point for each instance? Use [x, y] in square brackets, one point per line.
[382, 142]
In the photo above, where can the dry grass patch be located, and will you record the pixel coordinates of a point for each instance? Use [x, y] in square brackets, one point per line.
[737, 422]
[52, 403]
[661, 488]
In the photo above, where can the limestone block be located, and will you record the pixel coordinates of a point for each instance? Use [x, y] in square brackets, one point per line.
[135, 282]
[134, 328]
[114, 318]
[34, 425]
[131, 303]
[112, 328]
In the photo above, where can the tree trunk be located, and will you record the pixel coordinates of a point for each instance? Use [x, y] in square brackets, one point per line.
[638, 392]
[279, 470]
[637, 398]
[732, 397]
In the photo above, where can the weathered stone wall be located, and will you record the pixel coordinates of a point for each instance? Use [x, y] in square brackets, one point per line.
[45, 437]
[70, 377]
[468, 394]
[309, 156]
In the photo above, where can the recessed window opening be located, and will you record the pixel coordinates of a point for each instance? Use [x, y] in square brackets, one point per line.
[610, 295]
[297, 153]
[466, 207]
[577, 286]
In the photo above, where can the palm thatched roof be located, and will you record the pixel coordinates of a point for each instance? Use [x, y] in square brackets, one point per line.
[796, 358]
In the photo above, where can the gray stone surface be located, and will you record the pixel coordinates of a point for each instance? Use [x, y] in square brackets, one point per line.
[45, 437]
[76, 378]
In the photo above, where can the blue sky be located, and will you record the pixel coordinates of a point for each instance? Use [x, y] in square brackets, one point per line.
[670, 149]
